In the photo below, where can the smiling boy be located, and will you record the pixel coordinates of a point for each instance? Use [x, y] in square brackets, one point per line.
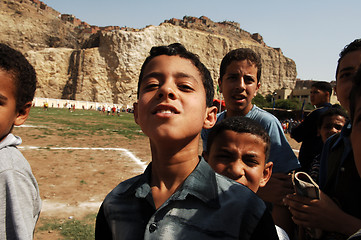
[19, 193]
[179, 196]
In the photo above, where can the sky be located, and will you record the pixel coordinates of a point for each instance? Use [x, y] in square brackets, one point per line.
[311, 32]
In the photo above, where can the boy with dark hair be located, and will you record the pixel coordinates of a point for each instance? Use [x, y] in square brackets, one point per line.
[238, 148]
[179, 196]
[306, 132]
[338, 211]
[20, 199]
[355, 112]
[329, 123]
[239, 81]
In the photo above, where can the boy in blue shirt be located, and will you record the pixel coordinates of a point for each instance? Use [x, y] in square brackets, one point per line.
[239, 81]
[179, 196]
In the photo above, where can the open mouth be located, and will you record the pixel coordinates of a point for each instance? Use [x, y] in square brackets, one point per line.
[239, 97]
[165, 109]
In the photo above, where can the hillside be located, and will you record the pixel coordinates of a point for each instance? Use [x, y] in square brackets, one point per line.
[72, 62]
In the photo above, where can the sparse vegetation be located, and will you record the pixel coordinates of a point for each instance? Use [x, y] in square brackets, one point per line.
[61, 122]
[71, 228]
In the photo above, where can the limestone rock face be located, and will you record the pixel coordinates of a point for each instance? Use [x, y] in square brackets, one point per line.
[106, 69]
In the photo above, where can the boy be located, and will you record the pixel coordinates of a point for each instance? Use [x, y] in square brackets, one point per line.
[238, 148]
[338, 212]
[355, 111]
[306, 131]
[20, 199]
[179, 196]
[329, 123]
[239, 81]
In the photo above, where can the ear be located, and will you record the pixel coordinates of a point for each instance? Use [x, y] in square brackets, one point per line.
[267, 172]
[23, 114]
[220, 84]
[257, 88]
[211, 117]
[135, 108]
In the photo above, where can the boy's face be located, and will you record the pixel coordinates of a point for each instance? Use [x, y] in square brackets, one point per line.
[347, 68]
[239, 86]
[8, 114]
[172, 100]
[318, 97]
[331, 125]
[241, 157]
[356, 134]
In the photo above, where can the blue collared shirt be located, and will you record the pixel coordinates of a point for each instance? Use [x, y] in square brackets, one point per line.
[206, 206]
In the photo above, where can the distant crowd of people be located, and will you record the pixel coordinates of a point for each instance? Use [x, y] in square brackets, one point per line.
[242, 184]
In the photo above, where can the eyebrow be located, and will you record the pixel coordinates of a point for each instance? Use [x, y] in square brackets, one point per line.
[177, 75]
[347, 69]
[2, 97]
[240, 74]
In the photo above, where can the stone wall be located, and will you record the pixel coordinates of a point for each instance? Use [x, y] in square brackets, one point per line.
[107, 69]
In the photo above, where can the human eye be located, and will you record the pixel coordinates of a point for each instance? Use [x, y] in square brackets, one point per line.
[232, 77]
[346, 75]
[223, 156]
[251, 160]
[150, 86]
[338, 126]
[185, 87]
[248, 79]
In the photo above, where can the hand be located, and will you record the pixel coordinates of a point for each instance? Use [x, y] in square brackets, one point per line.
[279, 185]
[321, 213]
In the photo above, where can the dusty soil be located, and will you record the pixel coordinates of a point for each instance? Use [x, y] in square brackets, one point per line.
[73, 182]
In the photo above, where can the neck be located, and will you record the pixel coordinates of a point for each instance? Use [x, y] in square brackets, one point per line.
[231, 113]
[321, 104]
[171, 164]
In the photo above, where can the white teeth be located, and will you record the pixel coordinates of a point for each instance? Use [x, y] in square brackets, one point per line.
[164, 111]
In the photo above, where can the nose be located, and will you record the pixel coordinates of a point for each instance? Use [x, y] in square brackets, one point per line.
[241, 84]
[166, 91]
[334, 130]
[237, 170]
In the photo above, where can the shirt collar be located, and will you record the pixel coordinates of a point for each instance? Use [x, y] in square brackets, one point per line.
[201, 183]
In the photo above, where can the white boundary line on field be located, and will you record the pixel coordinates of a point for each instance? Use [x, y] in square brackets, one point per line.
[126, 151]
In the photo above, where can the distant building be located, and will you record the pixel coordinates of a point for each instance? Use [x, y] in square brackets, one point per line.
[302, 92]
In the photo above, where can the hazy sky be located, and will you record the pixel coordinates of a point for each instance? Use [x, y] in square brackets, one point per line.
[311, 32]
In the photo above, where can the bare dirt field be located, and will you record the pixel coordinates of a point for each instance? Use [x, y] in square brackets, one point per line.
[76, 171]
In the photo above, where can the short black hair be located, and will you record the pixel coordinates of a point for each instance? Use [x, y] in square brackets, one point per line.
[240, 124]
[353, 46]
[177, 49]
[241, 54]
[355, 93]
[323, 86]
[22, 72]
[335, 109]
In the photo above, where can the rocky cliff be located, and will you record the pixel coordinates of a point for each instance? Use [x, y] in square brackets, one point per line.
[104, 67]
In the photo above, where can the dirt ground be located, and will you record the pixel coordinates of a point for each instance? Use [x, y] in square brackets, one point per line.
[74, 182]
